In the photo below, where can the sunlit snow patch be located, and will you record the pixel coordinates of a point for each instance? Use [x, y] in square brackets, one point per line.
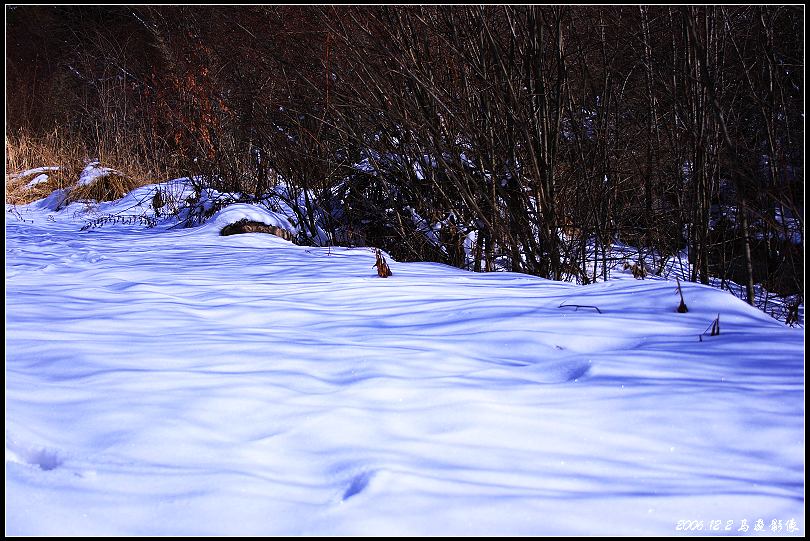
[243, 211]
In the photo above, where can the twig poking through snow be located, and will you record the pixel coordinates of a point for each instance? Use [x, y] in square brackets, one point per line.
[13, 210]
[382, 267]
[578, 306]
[714, 326]
[681, 307]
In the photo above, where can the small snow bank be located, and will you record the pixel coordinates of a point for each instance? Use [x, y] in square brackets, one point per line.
[26, 186]
[52, 202]
[94, 172]
[246, 211]
[36, 171]
[171, 204]
[38, 175]
[173, 195]
[39, 179]
[659, 298]
[211, 211]
[99, 184]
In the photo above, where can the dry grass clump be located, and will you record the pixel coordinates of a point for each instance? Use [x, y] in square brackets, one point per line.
[123, 171]
[638, 270]
[19, 193]
[108, 185]
[682, 309]
[383, 270]
[25, 153]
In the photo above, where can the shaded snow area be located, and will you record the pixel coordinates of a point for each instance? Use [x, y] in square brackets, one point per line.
[171, 381]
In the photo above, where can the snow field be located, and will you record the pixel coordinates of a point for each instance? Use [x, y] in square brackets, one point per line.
[175, 382]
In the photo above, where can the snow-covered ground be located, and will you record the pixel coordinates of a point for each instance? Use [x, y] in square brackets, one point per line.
[166, 381]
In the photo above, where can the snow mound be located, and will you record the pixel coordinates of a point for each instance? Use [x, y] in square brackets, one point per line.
[52, 202]
[93, 172]
[36, 171]
[244, 211]
[39, 179]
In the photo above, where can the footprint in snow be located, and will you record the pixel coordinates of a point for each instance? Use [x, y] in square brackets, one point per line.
[358, 484]
[578, 370]
[45, 459]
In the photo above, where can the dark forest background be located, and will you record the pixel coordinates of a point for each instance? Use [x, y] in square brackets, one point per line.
[546, 131]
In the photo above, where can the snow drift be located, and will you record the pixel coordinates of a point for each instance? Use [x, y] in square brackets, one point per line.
[175, 382]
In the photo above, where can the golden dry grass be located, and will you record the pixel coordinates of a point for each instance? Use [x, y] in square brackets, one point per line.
[108, 187]
[24, 153]
[56, 149]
